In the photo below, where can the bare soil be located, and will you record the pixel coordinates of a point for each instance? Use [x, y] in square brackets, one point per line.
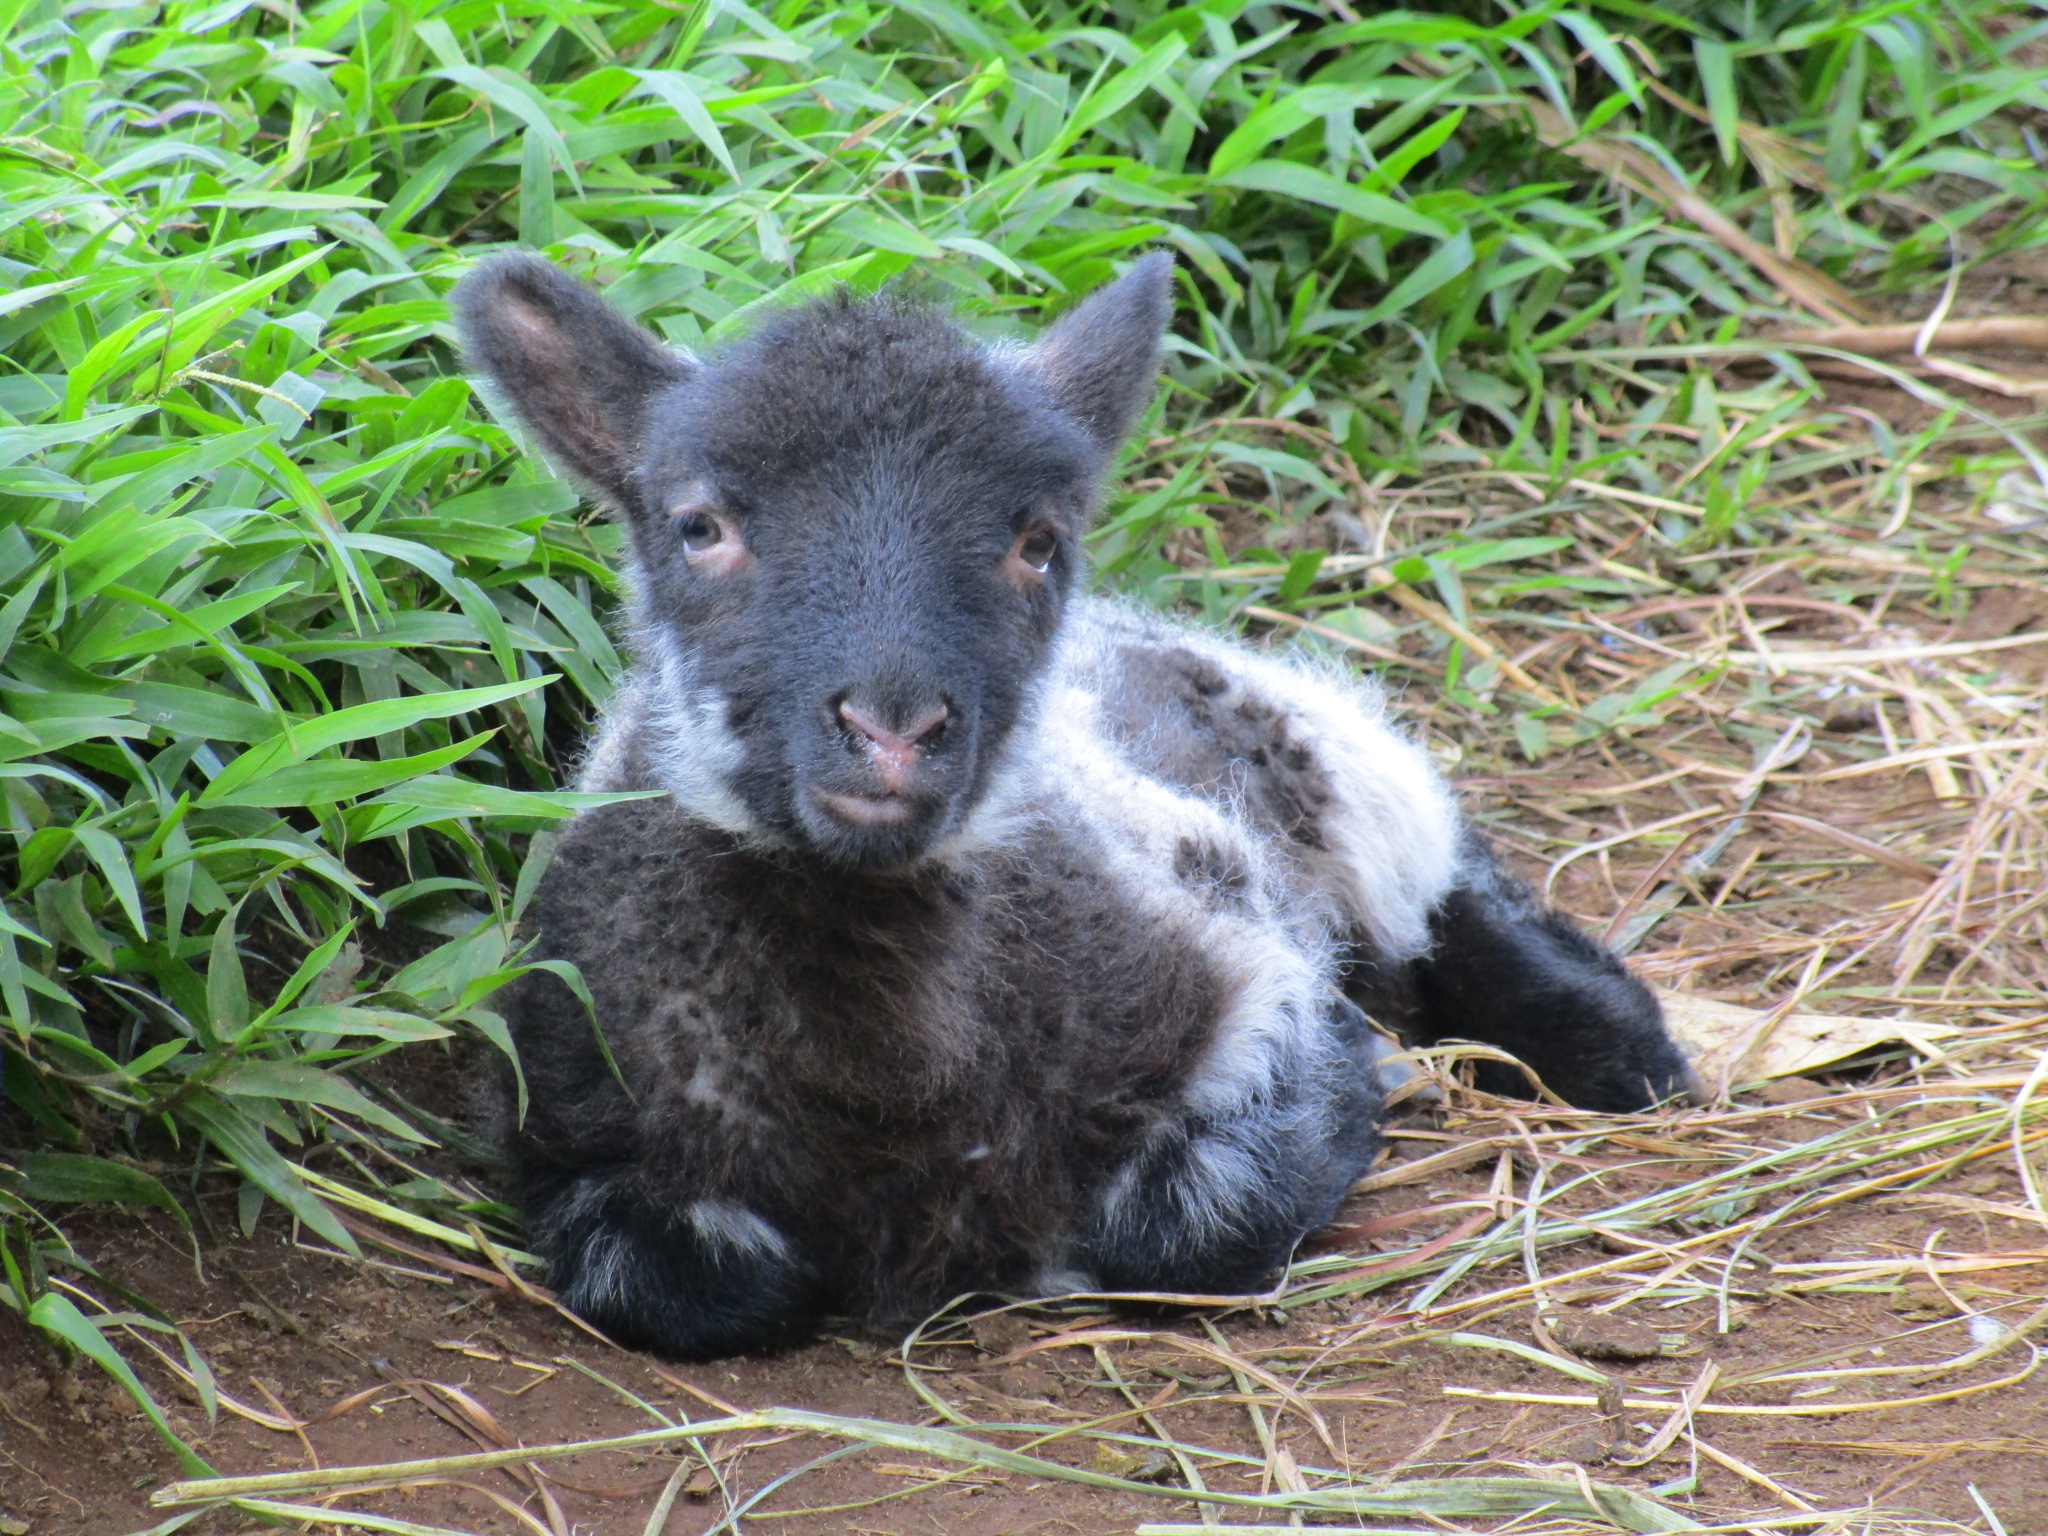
[291, 1331]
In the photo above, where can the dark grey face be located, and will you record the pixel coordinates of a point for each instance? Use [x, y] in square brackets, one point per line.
[854, 533]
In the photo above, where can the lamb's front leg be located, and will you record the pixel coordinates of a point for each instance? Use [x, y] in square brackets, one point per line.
[692, 1281]
[1213, 1201]
[1505, 970]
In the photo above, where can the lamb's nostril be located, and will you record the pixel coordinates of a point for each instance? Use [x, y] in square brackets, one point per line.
[926, 730]
[864, 726]
[920, 732]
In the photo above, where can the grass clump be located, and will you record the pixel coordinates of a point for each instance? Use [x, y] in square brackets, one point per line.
[1490, 322]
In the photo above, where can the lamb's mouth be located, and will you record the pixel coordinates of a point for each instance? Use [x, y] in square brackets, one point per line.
[865, 810]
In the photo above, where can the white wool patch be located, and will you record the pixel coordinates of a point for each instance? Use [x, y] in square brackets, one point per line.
[690, 744]
[1060, 1281]
[1015, 791]
[1215, 1181]
[1390, 831]
[1275, 968]
[600, 1279]
[1389, 854]
[680, 725]
[726, 1224]
[605, 757]
[704, 1088]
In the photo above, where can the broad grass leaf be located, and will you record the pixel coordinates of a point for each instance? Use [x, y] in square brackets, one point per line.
[536, 190]
[306, 737]
[309, 970]
[493, 1028]
[58, 1316]
[518, 97]
[192, 329]
[18, 442]
[1277, 461]
[1395, 165]
[1717, 80]
[1121, 89]
[227, 987]
[1605, 49]
[1284, 178]
[148, 490]
[437, 980]
[1288, 113]
[1449, 261]
[305, 1084]
[183, 627]
[1302, 568]
[203, 713]
[431, 179]
[884, 233]
[1472, 555]
[371, 1023]
[465, 797]
[110, 855]
[69, 1177]
[326, 781]
[853, 270]
[243, 1143]
[35, 293]
[680, 92]
[960, 26]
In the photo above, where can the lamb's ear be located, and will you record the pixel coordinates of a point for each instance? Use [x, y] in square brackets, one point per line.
[1101, 359]
[578, 374]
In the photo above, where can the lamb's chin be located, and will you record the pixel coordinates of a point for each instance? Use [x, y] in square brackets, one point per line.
[874, 833]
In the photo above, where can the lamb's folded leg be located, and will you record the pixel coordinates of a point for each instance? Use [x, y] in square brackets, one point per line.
[705, 1279]
[1505, 970]
[1216, 1205]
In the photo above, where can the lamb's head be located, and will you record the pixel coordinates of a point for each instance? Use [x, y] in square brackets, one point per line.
[854, 533]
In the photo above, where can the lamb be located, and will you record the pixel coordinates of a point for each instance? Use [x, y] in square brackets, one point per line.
[984, 936]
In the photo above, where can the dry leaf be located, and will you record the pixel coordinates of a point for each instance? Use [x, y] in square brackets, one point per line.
[1603, 1336]
[1138, 1464]
[1715, 1034]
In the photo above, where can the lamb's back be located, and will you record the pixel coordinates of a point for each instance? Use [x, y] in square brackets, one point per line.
[1300, 756]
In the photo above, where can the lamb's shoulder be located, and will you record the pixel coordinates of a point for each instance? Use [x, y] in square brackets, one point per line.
[1301, 754]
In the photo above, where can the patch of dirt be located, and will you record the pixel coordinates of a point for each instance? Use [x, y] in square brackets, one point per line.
[395, 1362]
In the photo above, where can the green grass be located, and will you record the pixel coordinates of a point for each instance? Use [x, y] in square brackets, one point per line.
[296, 641]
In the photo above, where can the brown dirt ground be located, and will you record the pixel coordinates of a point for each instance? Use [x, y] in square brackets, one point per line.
[307, 1333]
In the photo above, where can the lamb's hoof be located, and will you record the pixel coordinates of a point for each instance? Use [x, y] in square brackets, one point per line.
[1400, 1083]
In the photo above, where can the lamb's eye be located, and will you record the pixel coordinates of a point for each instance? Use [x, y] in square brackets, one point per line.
[699, 531]
[712, 540]
[1037, 546]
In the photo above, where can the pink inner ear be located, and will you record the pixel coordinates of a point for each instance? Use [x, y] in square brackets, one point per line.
[532, 326]
[579, 429]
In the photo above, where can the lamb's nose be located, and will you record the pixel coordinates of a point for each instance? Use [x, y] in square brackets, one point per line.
[894, 753]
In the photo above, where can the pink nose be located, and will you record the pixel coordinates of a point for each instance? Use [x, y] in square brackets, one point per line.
[894, 753]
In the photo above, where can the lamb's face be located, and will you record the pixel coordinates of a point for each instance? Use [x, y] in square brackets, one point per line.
[866, 532]
[854, 536]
